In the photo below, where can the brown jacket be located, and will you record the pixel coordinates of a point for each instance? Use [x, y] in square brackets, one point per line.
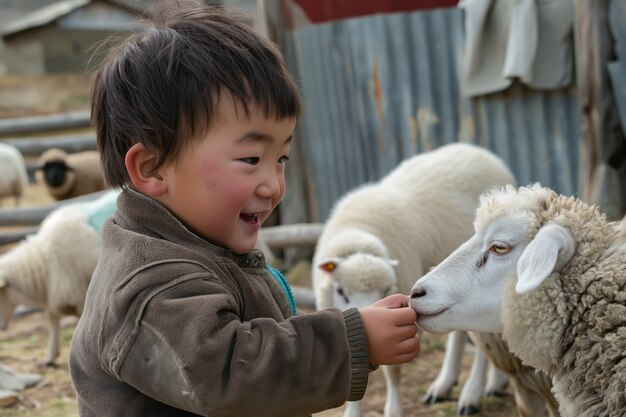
[175, 326]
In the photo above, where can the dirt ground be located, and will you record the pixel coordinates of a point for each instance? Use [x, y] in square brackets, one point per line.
[23, 345]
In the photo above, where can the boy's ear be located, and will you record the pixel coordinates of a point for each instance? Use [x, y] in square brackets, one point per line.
[140, 165]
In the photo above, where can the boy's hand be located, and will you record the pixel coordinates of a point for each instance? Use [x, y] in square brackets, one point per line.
[391, 330]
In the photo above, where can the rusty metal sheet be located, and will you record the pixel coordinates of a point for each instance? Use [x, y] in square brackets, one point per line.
[381, 88]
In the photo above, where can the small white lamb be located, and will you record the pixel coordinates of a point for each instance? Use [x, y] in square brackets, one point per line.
[381, 237]
[13, 175]
[550, 273]
[52, 268]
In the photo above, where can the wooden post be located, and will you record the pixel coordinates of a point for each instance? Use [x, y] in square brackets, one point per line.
[603, 146]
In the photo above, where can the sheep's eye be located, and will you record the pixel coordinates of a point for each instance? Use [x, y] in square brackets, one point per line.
[500, 248]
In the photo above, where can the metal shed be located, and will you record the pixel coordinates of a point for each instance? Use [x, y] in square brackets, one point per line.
[60, 37]
[380, 85]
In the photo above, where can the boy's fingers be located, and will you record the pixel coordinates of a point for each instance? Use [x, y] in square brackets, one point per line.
[404, 316]
[410, 347]
[395, 301]
[404, 357]
[407, 331]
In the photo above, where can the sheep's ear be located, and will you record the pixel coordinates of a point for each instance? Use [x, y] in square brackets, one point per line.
[393, 262]
[329, 265]
[549, 252]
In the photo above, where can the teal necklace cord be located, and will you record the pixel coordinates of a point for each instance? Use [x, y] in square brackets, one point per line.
[286, 289]
[280, 278]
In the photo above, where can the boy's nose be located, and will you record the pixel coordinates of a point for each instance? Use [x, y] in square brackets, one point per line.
[271, 186]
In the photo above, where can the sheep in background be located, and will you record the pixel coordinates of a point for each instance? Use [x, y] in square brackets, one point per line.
[52, 268]
[69, 175]
[549, 272]
[13, 176]
[381, 237]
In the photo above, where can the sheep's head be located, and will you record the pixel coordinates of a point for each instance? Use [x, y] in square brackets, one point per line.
[6, 305]
[358, 269]
[54, 172]
[360, 279]
[464, 292]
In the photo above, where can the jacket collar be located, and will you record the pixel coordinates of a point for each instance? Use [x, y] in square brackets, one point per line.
[137, 211]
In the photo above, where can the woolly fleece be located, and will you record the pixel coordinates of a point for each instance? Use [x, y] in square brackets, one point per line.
[418, 214]
[13, 175]
[573, 326]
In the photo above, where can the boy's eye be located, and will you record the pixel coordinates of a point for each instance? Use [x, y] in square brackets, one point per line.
[251, 161]
[283, 159]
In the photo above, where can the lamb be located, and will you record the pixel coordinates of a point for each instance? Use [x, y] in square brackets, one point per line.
[52, 268]
[13, 175]
[548, 271]
[69, 175]
[381, 236]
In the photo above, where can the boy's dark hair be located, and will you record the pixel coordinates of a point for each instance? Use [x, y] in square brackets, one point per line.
[160, 87]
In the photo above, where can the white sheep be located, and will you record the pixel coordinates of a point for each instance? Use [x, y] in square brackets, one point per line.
[52, 268]
[67, 175]
[550, 273]
[381, 237]
[13, 175]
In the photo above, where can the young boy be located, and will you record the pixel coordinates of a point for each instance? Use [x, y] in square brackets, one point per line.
[194, 118]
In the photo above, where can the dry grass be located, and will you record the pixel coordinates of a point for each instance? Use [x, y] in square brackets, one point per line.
[22, 348]
[29, 95]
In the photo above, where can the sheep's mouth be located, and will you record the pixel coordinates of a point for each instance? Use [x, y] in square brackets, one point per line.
[252, 218]
[426, 316]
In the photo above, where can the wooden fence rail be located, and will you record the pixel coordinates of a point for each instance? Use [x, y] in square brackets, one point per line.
[36, 146]
[29, 216]
[276, 237]
[62, 121]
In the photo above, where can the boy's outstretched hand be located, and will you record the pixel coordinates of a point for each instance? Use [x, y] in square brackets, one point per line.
[391, 330]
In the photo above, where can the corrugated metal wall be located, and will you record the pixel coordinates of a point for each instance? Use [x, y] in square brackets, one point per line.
[381, 88]
[617, 68]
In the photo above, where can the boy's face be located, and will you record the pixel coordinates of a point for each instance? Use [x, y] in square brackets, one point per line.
[226, 184]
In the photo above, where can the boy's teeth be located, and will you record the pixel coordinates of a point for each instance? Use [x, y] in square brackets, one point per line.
[251, 216]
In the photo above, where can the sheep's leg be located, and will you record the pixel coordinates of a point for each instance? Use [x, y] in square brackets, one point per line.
[393, 403]
[54, 327]
[474, 387]
[552, 407]
[441, 388]
[353, 409]
[496, 381]
[527, 402]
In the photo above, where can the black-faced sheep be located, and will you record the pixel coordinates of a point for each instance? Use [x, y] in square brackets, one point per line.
[52, 268]
[381, 237]
[69, 175]
[549, 272]
[13, 176]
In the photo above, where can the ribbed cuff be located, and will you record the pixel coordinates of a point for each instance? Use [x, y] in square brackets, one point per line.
[359, 355]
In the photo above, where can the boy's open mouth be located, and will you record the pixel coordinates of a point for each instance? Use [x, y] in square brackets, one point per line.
[252, 218]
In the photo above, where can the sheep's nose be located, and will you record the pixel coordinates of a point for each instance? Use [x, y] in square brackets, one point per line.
[418, 292]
